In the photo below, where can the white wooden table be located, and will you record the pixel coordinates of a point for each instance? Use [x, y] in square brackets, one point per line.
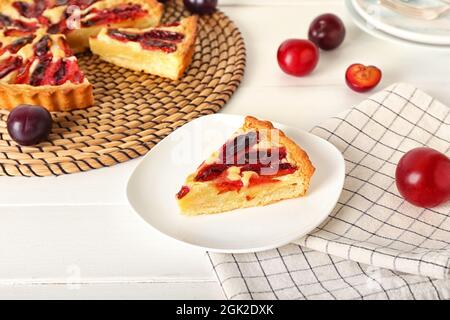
[74, 237]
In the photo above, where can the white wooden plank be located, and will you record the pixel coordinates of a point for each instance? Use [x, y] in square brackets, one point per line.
[99, 186]
[91, 243]
[76, 228]
[177, 290]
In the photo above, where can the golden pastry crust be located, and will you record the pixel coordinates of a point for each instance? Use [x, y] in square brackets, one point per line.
[130, 55]
[204, 198]
[65, 97]
[190, 29]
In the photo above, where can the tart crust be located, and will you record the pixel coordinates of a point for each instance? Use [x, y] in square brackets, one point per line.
[204, 198]
[65, 97]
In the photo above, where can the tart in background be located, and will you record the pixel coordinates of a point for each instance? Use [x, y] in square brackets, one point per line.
[165, 50]
[38, 39]
[41, 69]
[112, 13]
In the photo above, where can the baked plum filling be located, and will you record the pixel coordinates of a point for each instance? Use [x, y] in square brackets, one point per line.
[37, 7]
[16, 32]
[25, 26]
[211, 171]
[38, 74]
[17, 44]
[105, 16]
[225, 185]
[47, 70]
[151, 40]
[114, 15]
[183, 191]
[57, 3]
[33, 9]
[23, 74]
[17, 28]
[5, 21]
[232, 150]
[264, 163]
[60, 27]
[44, 61]
[267, 170]
[9, 65]
[238, 152]
[164, 35]
[123, 35]
[60, 72]
[151, 44]
[83, 4]
[42, 46]
[68, 70]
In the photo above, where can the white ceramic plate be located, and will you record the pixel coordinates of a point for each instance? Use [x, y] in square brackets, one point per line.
[372, 30]
[152, 187]
[435, 32]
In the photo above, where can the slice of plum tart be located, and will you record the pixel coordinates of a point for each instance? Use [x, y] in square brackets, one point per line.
[257, 166]
[165, 50]
[40, 69]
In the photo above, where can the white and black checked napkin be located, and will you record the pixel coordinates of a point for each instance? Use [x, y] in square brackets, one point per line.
[374, 245]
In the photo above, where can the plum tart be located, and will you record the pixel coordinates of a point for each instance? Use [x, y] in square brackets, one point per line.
[78, 19]
[165, 50]
[106, 13]
[40, 68]
[38, 39]
[257, 166]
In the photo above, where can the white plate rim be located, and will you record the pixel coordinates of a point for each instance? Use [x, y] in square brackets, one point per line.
[399, 32]
[363, 25]
[275, 244]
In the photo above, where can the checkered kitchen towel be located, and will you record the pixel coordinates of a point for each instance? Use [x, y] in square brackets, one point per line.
[374, 244]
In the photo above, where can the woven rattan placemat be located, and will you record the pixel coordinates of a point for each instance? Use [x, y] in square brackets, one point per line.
[133, 111]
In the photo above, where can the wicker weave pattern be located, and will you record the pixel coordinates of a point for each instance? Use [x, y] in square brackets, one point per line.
[133, 111]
